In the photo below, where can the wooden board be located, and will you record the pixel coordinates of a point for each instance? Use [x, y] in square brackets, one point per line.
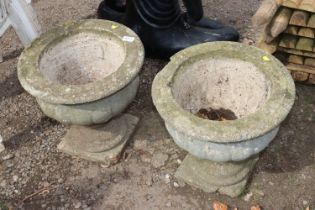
[288, 41]
[311, 79]
[280, 21]
[300, 68]
[299, 18]
[308, 5]
[297, 59]
[296, 52]
[300, 76]
[311, 22]
[305, 44]
[292, 30]
[265, 13]
[309, 62]
[269, 47]
[306, 32]
[292, 3]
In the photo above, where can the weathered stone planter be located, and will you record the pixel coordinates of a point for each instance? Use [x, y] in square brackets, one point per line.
[86, 73]
[83, 72]
[240, 78]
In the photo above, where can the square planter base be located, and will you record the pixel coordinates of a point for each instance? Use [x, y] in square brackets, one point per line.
[101, 143]
[229, 178]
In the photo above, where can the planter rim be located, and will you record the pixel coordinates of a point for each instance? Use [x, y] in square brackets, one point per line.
[265, 119]
[33, 81]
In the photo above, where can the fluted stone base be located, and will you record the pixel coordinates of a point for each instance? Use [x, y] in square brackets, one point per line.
[102, 143]
[228, 178]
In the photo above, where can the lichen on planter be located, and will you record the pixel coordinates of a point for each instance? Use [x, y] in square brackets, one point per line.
[83, 72]
[253, 85]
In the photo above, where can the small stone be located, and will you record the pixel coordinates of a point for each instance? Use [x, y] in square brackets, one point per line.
[15, 178]
[148, 197]
[46, 184]
[248, 196]
[260, 193]
[149, 182]
[219, 206]
[158, 160]
[77, 205]
[146, 157]
[169, 204]
[247, 41]
[305, 202]
[255, 208]
[181, 183]
[176, 185]
[3, 184]
[105, 165]
[2, 148]
[179, 161]
[167, 179]
[10, 165]
[8, 157]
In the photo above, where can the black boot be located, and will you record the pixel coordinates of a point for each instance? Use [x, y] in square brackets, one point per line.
[115, 10]
[163, 28]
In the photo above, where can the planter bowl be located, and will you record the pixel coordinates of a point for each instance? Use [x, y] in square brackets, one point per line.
[243, 79]
[254, 87]
[83, 72]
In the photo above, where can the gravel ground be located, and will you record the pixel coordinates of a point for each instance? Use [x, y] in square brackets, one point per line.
[34, 175]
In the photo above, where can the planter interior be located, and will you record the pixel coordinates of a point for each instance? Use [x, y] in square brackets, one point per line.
[83, 72]
[81, 58]
[225, 83]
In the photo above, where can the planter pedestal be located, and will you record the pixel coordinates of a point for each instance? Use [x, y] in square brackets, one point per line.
[228, 178]
[100, 143]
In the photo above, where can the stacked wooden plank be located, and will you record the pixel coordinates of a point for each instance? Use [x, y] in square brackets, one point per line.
[287, 27]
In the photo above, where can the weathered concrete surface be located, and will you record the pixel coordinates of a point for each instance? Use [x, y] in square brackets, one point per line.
[278, 104]
[232, 140]
[71, 90]
[228, 178]
[234, 151]
[178, 95]
[101, 143]
[94, 112]
[33, 81]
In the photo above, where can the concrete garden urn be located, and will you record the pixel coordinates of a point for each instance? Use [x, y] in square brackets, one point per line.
[253, 85]
[84, 73]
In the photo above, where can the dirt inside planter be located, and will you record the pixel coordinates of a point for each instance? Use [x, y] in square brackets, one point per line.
[216, 114]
